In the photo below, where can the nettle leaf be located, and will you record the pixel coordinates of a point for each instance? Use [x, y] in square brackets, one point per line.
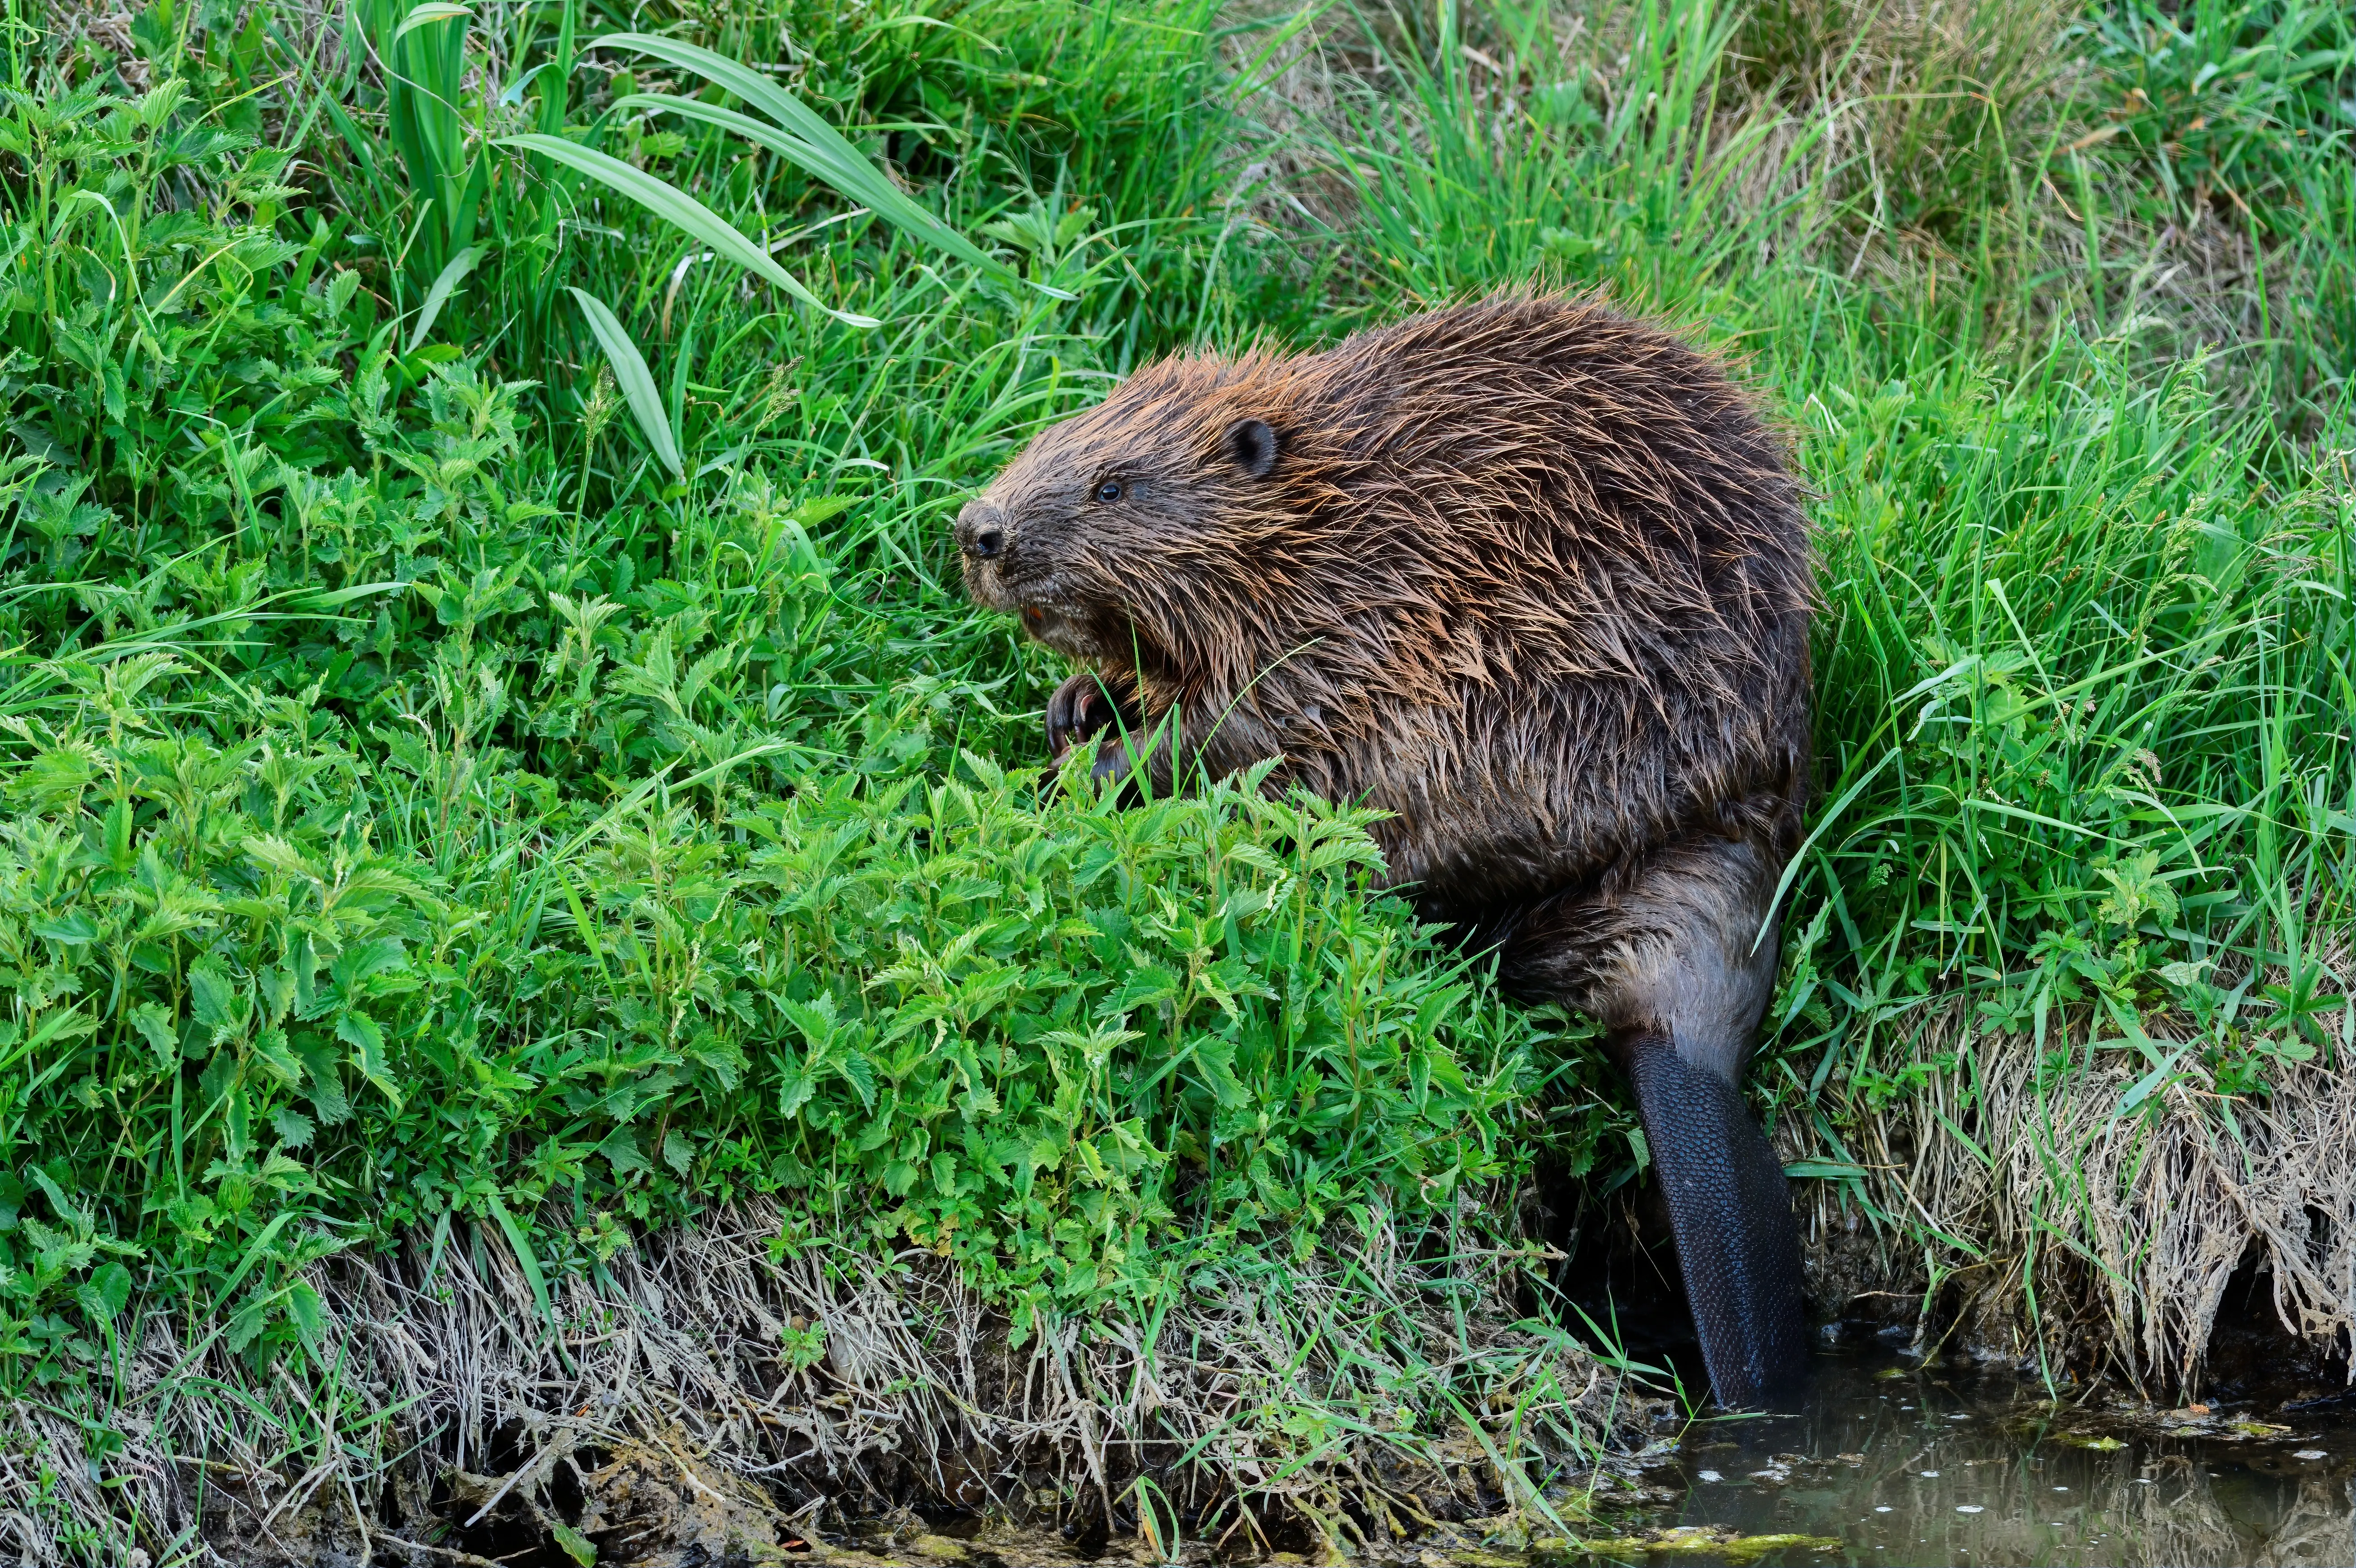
[363, 961]
[621, 1150]
[294, 1129]
[860, 1074]
[719, 1057]
[154, 1025]
[796, 1085]
[107, 1294]
[73, 928]
[271, 1051]
[325, 1068]
[307, 1314]
[213, 997]
[816, 1019]
[366, 1038]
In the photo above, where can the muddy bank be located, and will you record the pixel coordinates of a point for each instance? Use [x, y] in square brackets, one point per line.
[714, 1393]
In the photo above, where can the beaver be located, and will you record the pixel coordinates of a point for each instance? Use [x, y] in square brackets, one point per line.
[1531, 577]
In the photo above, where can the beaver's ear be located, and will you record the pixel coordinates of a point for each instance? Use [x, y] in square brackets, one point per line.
[1253, 447]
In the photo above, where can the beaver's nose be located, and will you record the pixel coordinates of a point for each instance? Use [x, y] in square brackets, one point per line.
[980, 530]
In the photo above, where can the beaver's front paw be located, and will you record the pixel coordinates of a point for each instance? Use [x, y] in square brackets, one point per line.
[1081, 708]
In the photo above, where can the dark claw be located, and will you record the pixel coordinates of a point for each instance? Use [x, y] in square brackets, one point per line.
[1080, 709]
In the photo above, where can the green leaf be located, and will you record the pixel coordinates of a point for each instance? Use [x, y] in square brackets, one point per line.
[622, 1152]
[73, 929]
[796, 1085]
[336, 597]
[451, 277]
[294, 1129]
[271, 1050]
[212, 994]
[108, 1292]
[1823, 1170]
[303, 1305]
[154, 1023]
[637, 382]
[362, 1033]
[810, 514]
[674, 205]
[530, 1262]
[424, 16]
[577, 1546]
[861, 1072]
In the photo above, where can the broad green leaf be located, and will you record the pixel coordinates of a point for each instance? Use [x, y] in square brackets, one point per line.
[271, 1050]
[860, 1075]
[621, 1150]
[577, 1546]
[303, 1304]
[675, 207]
[637, 382]
[155, 1024]
[212, 994]
[365, 1037]
[108, 1292]
[423, 16]
[438, 295]
[822, 508]
[73, 928]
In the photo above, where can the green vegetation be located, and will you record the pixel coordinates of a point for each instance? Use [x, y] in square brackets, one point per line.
[494, 746]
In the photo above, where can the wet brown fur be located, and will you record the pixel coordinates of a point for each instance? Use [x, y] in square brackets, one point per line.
[1525, 574]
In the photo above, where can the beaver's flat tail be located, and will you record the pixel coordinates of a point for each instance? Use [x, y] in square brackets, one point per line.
[1732, 1212]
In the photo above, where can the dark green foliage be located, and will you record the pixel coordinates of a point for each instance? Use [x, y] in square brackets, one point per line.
[418, 811]
[425, 808]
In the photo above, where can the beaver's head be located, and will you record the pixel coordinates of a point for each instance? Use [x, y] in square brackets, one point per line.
[1149, 528]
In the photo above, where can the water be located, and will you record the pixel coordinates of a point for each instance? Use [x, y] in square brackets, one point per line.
[1892, 1464]
[1889, 1464]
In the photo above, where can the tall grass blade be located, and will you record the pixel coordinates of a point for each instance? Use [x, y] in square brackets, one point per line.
[807, 141]
[424, 79]
[531, 1270]
[438, 295]
[430, 12]
[637, 382]
[675, 207]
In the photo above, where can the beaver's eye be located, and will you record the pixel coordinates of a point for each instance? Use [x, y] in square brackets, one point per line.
[1110, 490]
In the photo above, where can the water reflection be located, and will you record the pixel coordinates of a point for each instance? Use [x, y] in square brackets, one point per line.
[1932, 1466]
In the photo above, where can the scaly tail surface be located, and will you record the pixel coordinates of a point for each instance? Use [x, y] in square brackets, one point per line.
[1732, 1212]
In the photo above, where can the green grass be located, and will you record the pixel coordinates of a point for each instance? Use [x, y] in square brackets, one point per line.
[427, 805]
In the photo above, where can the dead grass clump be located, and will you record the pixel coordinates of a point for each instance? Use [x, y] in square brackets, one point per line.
[1943, 95]
[2051, 1229]
[714, 1389]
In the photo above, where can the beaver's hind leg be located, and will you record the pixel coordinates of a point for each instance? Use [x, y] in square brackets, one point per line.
[1674, 967]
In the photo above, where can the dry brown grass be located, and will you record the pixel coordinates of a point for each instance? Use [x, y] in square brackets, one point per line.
[1298, 1402]
[2028, 1220]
